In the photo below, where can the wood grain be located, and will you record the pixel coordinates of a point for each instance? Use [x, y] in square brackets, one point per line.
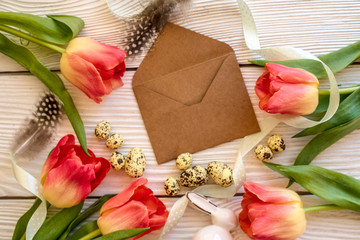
[21, 91]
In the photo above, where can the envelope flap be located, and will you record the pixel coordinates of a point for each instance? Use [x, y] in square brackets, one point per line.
[177, 48]
[188, 86]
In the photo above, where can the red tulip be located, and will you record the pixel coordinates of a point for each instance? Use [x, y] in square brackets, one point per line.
[271, 213]
[69, 175]
[95, 68]
[283, 89]
[135, 207]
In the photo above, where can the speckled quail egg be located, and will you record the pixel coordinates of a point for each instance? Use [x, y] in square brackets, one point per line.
[102, 130]
[117, 161]
[220, 173]
[263, 152]
[171, 186]
[135, 163]
[276, 143]
[183, 161]
[193, 177]
[114, 141]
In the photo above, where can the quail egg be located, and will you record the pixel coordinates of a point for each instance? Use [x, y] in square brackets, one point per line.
[102, 130]
[171, 186]
[114, 141]
[183, 161]
[117, 161]
[193, 177]
[220, 173]
[135, 163]
[276, 143]
[263, 152]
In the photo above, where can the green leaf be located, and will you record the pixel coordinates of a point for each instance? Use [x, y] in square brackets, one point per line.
[26, 58]
[57, 29]
[337, 188]
[309, 65]
[75, 24]
[21, 224]
[348, 110]
[54, 226]
[85, 214]
[122, 234]
[84, 230]
[324, 140]
[324, 102]
[336, 61]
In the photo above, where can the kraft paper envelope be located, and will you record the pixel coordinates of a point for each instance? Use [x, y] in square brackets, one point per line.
[191, 94]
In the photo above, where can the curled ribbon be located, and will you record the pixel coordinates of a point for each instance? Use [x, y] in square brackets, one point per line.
[33, 185]
[247, 143]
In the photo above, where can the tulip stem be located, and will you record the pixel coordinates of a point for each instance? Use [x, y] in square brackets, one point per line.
[31, 38]
[324, 207]
[91, 235]
[341, 90]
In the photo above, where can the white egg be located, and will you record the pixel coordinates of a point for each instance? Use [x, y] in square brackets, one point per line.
[225, 218]
[212, 232]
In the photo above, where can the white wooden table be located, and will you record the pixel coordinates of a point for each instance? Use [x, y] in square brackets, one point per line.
[318, 26]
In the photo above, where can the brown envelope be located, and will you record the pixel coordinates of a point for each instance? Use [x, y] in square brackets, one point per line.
[191, 94]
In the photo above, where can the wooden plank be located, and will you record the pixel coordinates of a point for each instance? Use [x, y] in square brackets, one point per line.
[21, 91]
[317, 26]
[330, 225]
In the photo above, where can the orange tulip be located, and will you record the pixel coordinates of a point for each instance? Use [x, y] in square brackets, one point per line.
[283, 89]
[271, 213]
[135, 207]
[95, 68]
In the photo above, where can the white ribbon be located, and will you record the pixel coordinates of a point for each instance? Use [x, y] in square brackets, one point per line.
[30, 183]
[247, 143]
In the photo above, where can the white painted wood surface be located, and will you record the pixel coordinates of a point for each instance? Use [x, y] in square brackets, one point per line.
[318, 26]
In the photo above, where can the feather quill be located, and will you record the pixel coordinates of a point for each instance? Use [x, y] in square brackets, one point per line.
[143, 28]
[38, 130]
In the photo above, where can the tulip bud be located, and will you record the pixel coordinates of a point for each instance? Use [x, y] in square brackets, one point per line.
[69, 175]
[283, 89]
[271, 213]
[95, 68]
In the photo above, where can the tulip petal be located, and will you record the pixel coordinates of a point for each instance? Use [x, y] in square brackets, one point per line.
[270, 194]
[299, 100]
[158, 219]
[101, 172]
[123, 196]
[262, 85]
[283, 222]
[146, 196]
[53, 158]
[291, 75]
[101, 55]
[116, 81]
[68, 184]
[245, 223]
[133, 214]
[84, 76]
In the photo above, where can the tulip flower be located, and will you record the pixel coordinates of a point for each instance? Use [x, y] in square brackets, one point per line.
[69, 175]
[271, 213]
[135, 207]
[95, 68]
[283, 89]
